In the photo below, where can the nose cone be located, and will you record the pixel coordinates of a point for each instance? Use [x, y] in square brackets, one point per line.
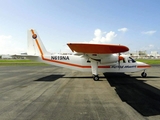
[143, 65]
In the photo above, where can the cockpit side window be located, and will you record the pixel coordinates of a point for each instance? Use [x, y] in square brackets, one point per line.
[124, 61]
[131, 60]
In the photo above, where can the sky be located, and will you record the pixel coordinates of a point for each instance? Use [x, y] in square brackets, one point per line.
[134, 23]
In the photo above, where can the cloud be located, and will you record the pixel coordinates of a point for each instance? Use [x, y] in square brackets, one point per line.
[123, 30]
[149, 32]
[102, 37]
[4, 37]
[5, 40]
[151, 46]
[8, 45]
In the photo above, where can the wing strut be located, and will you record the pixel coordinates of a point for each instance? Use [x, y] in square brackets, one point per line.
[94, 66]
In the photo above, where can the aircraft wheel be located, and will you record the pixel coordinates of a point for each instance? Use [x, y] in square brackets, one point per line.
[144, 75]
[95, 77]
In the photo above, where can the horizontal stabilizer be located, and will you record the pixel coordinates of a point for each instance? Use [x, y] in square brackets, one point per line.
[24, 56]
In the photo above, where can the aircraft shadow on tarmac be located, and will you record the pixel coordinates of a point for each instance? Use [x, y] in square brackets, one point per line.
[83, 77]
[55, 77]
[144, 98]
[50, 78]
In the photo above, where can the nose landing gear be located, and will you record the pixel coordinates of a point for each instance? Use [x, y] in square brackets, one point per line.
[144, 74]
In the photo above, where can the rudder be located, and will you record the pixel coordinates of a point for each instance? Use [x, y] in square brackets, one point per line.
[35, 45]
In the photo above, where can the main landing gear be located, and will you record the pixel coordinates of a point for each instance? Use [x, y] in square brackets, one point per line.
[144, 74]
[95, 77]
[94, 66]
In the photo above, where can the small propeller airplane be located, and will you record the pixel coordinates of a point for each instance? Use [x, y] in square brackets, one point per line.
[87, 57]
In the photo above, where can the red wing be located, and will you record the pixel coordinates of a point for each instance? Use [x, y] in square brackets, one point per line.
[97, 48]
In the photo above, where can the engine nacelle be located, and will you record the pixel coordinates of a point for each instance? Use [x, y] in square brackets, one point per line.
[109, 59]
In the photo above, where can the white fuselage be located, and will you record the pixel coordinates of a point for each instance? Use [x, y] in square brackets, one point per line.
[81, 63]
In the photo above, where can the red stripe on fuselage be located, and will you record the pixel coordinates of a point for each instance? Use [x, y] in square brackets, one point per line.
[143, 66]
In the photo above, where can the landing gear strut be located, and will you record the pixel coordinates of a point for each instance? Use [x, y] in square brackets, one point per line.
[94, 66]
[95, 77]
[143, 74]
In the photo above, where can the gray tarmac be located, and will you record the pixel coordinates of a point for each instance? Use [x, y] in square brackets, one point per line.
[54, 93]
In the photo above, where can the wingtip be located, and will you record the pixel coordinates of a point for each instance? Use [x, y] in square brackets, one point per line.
[127, 49]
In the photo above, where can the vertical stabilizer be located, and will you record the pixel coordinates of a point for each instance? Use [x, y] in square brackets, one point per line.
[35, 45]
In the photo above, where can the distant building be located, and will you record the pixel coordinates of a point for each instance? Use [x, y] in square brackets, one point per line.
[23, 53]
[144, 55]
[6, 57]
[138, 54]
[154, 55]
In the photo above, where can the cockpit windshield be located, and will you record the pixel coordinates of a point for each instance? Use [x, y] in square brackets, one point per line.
[131, 60]
[127, 59]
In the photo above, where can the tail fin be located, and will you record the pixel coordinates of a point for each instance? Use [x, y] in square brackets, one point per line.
[35, 45]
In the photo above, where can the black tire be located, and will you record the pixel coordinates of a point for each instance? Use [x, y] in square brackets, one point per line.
[144, 75]
[96, 78]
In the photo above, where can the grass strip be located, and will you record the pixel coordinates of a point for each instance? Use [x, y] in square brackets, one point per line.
[150, 61]
[17, 62]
